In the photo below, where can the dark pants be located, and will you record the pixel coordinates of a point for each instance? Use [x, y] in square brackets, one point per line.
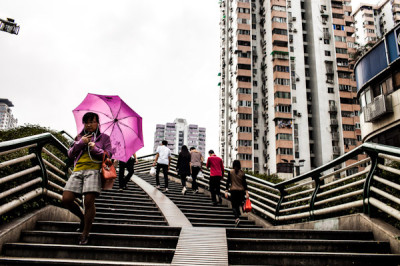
[183, 179]
[164, 168]
[237, 198]
[195, 172]
[123, 180]
[215, 183]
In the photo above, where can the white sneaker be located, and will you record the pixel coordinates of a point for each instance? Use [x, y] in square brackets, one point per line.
[158, 186]
[166, 190]
[183, 190]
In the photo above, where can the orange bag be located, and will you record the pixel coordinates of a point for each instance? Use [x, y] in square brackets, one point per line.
[108, 173]
[247, 206]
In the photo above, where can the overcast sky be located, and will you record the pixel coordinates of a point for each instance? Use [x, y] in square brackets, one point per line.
[161, 57]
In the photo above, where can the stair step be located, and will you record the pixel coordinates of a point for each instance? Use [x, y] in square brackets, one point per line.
[128, 221]
[110, 228]
[309, 258]
[299, 234]
[125, 199]
[128, 211]
[67, 262]
[124, 216]
[125, 193]
[224, 225]
[219, 220]
[109, 253]
[307, 245]
[209, 206]
[126, 205]
[206, 210]
[100, 239]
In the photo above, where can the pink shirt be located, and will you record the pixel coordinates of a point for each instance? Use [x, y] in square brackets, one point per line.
[216, 165]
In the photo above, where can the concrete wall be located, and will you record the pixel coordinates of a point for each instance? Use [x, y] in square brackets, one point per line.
[381, 230]
[11, 232]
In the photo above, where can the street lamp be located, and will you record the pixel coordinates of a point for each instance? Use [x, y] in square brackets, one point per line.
[296, 166]
[9, 26]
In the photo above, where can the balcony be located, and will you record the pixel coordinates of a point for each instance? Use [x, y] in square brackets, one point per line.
[336, 150]
[381, 105]
[332, 108]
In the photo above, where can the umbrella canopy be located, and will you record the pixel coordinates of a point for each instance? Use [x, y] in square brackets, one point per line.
[117, 119]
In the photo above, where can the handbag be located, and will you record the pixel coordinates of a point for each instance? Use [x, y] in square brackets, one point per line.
[153, 171]
[247, 205]
[108, 173]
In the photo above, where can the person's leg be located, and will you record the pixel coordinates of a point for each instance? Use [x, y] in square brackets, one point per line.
[236, 203]
[165, 171]
[183, 180]
[218, 188]
[158, 174]
[129, 167]
[90, 212]
[212, 189]
[121, 174]
[68, 202]
[195, 172]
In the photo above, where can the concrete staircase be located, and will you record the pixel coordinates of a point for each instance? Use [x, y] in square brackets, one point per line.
[128, 230]
[307, 247]
[198, 207]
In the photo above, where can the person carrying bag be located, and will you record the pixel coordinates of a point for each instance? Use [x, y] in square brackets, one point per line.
[237, 185]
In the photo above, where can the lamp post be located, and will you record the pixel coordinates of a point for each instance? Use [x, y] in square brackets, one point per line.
[9, 26]
[296, 166]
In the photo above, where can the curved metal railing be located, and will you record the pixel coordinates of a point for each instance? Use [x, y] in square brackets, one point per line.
[370, 184]
[32, 169]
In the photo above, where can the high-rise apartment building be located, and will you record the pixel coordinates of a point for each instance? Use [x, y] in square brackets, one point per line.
[373, 21]
[288, 95]
[180, 133]
[7, 119]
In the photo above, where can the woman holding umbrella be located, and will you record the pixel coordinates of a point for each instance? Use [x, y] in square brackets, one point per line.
[87, 152]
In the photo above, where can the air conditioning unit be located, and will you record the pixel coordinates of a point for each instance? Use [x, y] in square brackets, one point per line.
[295, 30]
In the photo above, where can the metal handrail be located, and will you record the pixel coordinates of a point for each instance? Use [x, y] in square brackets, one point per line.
[323, 194]
[39, 168]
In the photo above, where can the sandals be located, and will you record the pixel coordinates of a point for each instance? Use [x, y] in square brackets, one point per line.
[83, 239]
[81, 226]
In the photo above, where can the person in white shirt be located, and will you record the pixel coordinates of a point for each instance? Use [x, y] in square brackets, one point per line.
[163, 160]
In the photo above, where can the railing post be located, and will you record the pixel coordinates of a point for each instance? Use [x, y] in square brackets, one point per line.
[39, 161]
[278, 206]
[375, 160]
[317, 182]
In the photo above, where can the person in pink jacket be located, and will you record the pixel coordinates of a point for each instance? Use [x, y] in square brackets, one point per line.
[87, 152]
[216, 166]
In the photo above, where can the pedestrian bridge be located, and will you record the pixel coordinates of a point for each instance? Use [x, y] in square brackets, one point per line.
[328, 216]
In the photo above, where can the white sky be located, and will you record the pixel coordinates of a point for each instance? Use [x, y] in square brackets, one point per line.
[161, 57]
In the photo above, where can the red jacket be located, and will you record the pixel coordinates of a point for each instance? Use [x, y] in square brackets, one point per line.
[216, 165]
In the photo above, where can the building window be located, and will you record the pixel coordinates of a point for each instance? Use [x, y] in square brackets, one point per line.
[327, 53]
[330, 90]
[281, 68]
[284, 151]
[244, 90]
[280, 81]
[244, 116]
[281, 94]
[283, 108]
[245, 129]
[284, 136]
[244, 143]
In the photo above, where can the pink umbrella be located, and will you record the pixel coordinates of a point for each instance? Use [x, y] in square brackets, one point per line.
[117, 119]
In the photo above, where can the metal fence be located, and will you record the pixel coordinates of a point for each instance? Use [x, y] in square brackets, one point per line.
[31, 169]
[370, 184]
[37, 166]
